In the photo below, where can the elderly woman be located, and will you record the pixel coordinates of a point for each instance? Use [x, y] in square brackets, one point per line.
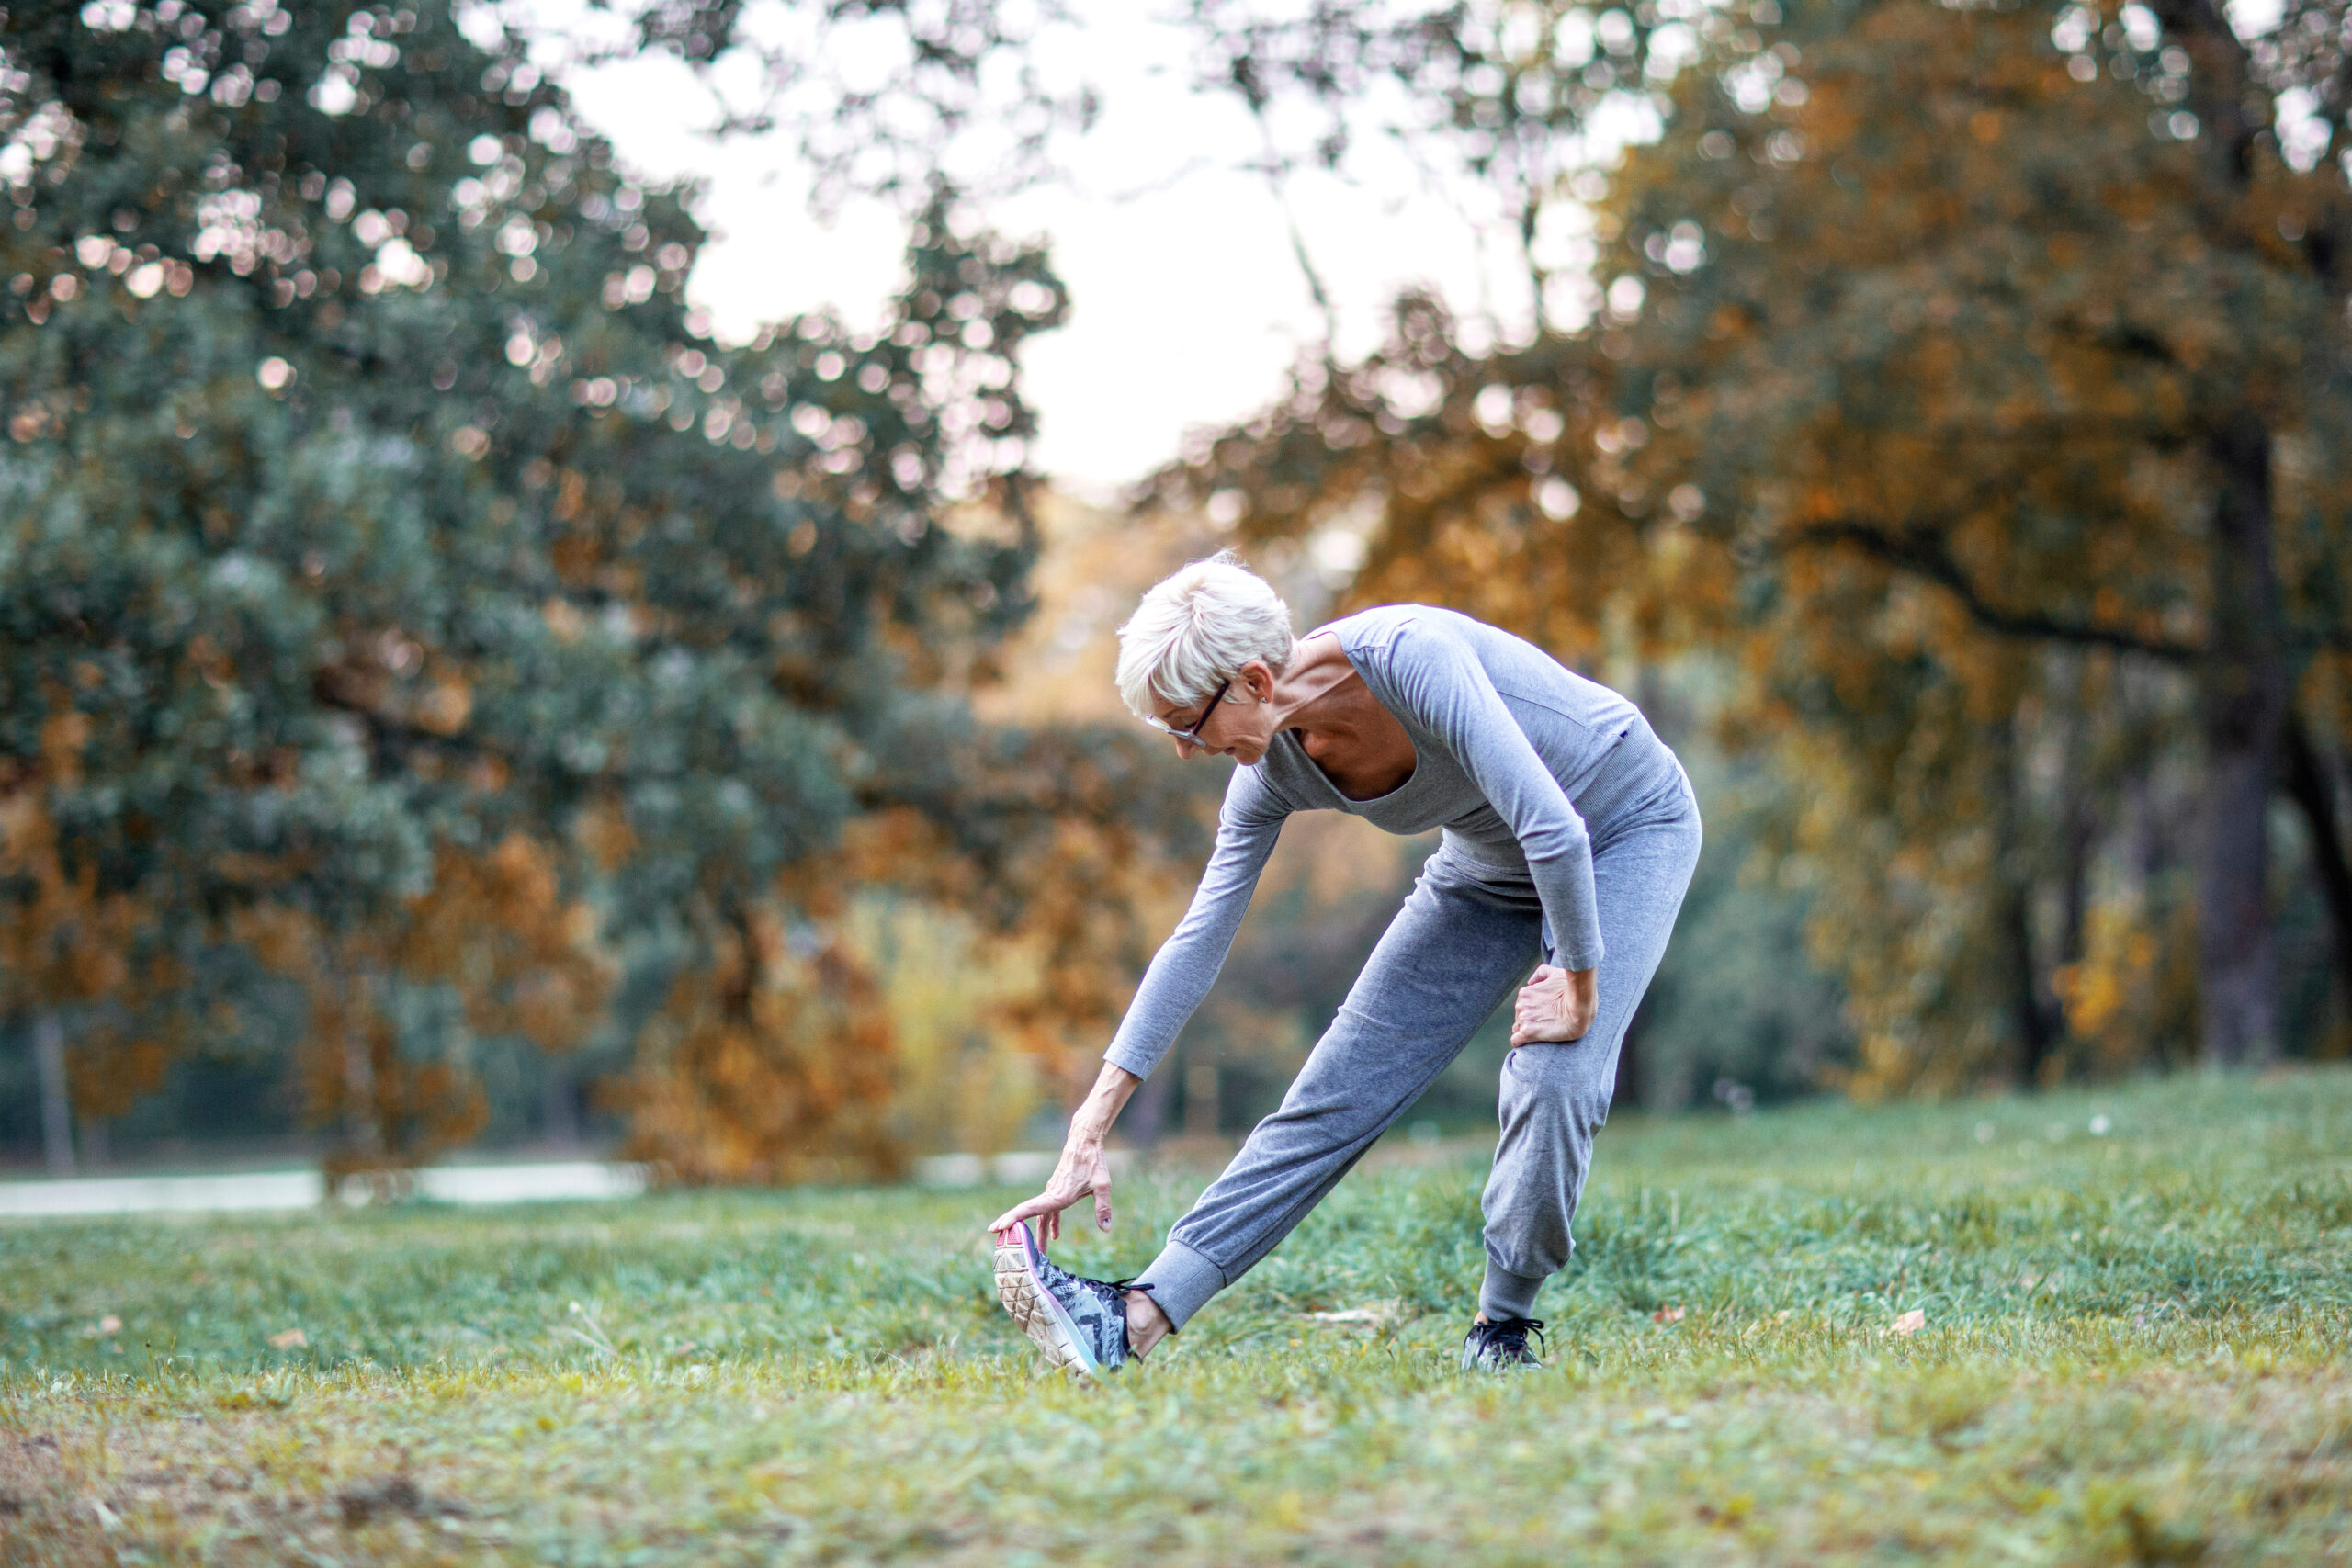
[1570, 833]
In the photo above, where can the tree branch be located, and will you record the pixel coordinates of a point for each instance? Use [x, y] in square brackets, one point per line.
[1923, 554]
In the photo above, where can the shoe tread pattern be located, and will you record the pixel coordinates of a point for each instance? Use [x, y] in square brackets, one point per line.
[1017, 1288]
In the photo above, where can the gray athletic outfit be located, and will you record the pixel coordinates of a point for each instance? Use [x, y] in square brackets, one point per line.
[1569, 829]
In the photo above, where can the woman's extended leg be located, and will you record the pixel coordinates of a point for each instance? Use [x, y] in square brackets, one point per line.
[1450, 956]
[1554, 1097]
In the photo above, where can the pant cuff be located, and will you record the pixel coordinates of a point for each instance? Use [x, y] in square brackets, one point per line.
[1505, 1294]
[1181, 1281]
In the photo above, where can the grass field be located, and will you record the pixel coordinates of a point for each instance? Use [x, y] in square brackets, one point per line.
[2133, 1351]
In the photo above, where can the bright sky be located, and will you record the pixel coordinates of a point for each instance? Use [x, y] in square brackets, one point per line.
[1188, 302]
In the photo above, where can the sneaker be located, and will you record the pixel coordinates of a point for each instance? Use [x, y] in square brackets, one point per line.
[1502, 1346]
[1079, 1324]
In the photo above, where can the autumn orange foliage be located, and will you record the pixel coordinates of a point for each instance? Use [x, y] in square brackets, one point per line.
[1969, 435]
[778, 1061]
[495, 928]
[68, 945]
[771, 1063]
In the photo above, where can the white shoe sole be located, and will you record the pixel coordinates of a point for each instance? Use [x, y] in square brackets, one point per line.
[1034, 1310]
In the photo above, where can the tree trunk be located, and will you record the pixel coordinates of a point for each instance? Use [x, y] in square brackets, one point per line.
[2314, 790]
[2242, 699]
[56, 1108]
[560, 1104]
[362, 1119]
[1145, 1122]
[2036, 1029]
[2081, 831]
[2243, 708]
[1201, 1097]
[2032, 1017]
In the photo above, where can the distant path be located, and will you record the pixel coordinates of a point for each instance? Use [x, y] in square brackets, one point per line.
[306, 1189]
[299, 1188]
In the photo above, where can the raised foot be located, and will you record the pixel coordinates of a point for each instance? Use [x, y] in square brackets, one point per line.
[1078, 1325]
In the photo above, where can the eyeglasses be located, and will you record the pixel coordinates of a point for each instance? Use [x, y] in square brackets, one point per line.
[1191, 732]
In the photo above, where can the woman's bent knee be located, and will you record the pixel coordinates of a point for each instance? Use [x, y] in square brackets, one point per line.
[1567, 1086]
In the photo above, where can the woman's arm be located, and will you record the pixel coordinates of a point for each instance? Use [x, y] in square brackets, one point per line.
[1085, 1165]
[1180, 974]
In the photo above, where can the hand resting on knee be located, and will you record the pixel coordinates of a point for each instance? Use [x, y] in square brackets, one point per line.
[1556, 1005]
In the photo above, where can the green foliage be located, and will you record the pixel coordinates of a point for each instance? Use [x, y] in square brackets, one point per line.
[2130, 1352]
[1738, 1013]
[444, 509]
[376, 509]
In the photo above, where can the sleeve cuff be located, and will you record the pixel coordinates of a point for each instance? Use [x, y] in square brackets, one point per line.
[1581, 959]
[1134, 1062]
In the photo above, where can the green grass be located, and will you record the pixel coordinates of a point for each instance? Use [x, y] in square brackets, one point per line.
[2133, 1353]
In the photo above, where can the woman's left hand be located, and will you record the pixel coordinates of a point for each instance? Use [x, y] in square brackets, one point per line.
[1554, 1005]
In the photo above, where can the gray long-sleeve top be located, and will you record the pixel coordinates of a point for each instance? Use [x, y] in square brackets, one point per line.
[1506, 740]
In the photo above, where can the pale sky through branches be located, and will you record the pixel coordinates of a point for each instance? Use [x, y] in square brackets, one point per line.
[1189, 303]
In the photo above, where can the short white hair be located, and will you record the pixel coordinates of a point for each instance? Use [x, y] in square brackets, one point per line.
[1197, 626]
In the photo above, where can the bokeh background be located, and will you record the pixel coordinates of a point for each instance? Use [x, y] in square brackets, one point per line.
[560, 560]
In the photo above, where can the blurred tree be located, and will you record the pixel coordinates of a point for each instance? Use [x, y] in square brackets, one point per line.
[1974, 380]
[1056, 844]
[493, 931]
[398, 572]
[71, 950]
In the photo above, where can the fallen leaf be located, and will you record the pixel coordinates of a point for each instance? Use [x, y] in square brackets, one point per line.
[292, 1339]
[1372, 1316]
[1910, 1322]
[1667, 1315]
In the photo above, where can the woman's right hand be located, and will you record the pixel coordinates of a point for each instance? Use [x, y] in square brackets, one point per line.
[1085, 1167]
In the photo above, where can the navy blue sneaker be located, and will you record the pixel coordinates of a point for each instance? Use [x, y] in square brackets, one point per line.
[1502, 1346]
[1079, 1324]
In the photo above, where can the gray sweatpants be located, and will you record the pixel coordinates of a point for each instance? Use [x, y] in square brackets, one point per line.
[1456, 950]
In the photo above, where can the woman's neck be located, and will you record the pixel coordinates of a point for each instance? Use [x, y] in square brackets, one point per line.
[1346, 731]
[1309, 694]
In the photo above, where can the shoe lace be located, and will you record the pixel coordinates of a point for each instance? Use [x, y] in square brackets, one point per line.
[1507, 1336]
[1114, 1291]
[1111, 1293]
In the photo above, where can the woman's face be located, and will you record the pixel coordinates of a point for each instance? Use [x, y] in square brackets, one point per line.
[1237, 724]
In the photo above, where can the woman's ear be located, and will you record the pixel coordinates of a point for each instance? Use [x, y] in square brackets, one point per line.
[1257, 677]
